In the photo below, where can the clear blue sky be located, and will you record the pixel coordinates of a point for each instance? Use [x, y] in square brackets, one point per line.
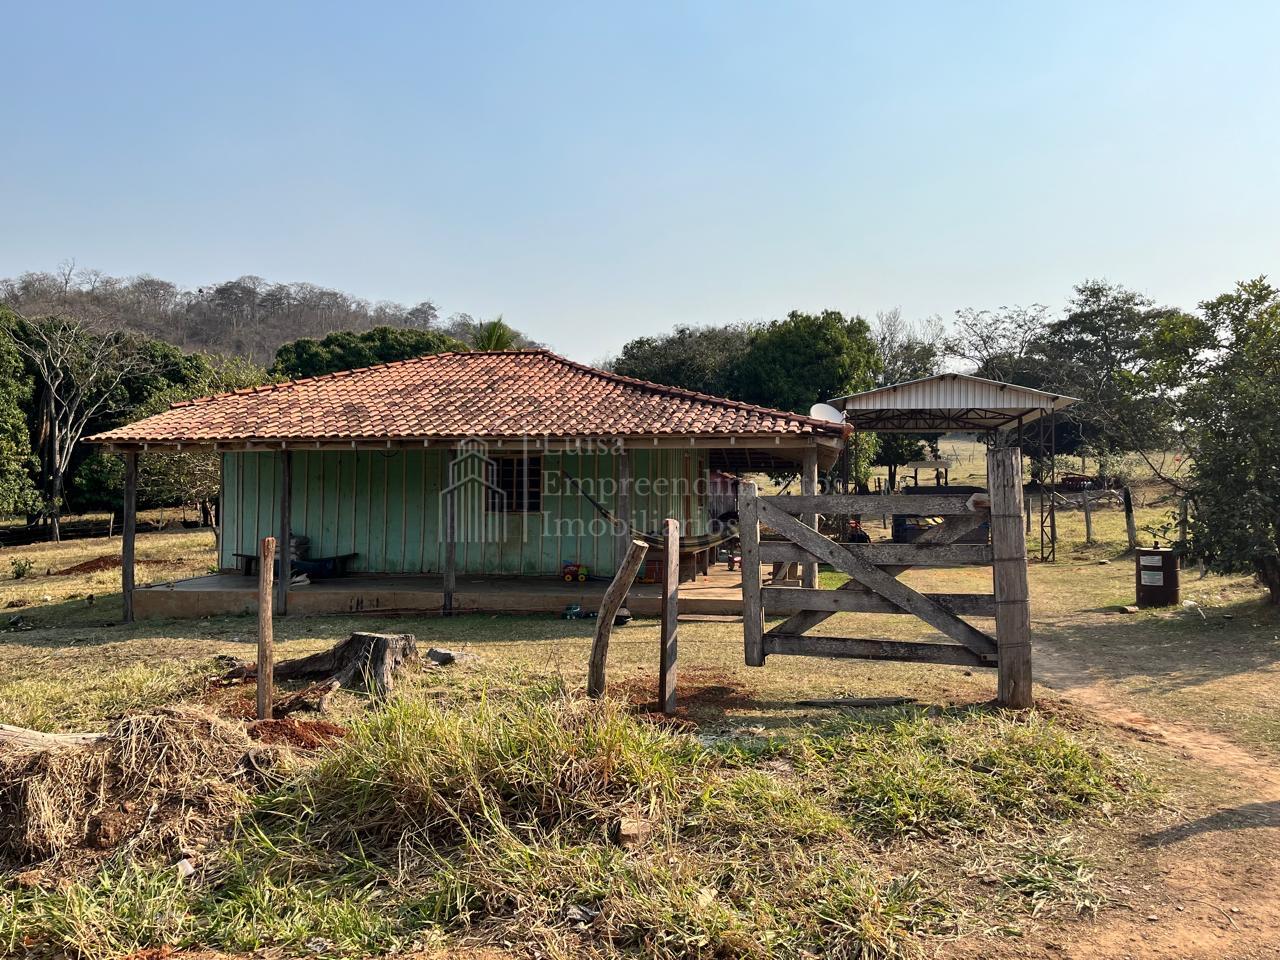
[595, 173]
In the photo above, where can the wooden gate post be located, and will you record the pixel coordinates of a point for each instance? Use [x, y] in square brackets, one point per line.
[1009, 574]
[752, 608]
[809, 486]
[608, 611]
[128, 532]
[670, 602]
[266, 648]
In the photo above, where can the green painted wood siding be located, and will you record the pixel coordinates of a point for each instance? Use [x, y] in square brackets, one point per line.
[385, 507]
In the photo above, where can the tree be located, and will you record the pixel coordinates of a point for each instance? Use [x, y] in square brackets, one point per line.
[17, 492]
[79, 374]
[1231, 358]
[702, 359]
[1101, 353]
[1001, 344]
[793, 363]
[348, 351]
[495, 335]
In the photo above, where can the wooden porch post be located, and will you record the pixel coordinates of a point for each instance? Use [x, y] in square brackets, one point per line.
[128, 532]
[285, 545]
[622, 543]
[450, 520]
[809, 487]
[1009, 573]
[752, 609]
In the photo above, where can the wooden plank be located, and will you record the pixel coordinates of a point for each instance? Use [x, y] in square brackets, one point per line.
[925, 505]
[266, 640]
[790, 644]
[1009, 575]
[952, 528]
[809, 488]
[885, 554]
[286, 531]
[881, 581]
[670, 617]
[785, 600]
[752, 607]
[613, 597]
[129, 532]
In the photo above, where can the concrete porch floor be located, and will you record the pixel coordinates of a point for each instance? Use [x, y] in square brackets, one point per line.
[719, 594]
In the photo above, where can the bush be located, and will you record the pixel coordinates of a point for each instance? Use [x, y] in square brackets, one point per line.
[21, 566]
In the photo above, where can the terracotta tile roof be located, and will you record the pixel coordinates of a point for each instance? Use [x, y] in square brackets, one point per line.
[501, 394]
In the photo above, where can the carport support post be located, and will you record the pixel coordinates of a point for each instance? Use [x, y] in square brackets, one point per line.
[128, 531]
[1009, 573]
[809, 487]
[285, 542]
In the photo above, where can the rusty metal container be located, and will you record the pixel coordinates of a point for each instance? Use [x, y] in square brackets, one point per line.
[1156, 577]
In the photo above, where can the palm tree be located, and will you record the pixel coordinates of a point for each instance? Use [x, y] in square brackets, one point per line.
[494, 335]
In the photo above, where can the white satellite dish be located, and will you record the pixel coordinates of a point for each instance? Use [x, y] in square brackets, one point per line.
[825, 411]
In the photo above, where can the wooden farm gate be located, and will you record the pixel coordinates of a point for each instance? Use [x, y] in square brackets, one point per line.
[874, 586]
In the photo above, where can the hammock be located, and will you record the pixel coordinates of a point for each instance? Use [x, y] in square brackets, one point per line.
[687, 544]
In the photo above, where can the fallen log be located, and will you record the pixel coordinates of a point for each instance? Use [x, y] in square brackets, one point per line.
[38, 740]
[366, 661]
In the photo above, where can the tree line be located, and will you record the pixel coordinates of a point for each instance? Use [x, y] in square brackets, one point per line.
[80, 353]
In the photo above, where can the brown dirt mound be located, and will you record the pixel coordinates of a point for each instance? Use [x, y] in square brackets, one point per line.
[699, 694]
[158, 780]
[110, 561]
[308, 734]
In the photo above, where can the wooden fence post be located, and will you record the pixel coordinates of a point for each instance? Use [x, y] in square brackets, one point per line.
[1009, 576]
[128, 532]
[266, 650]
[1088, 517]
[809, 486]
[752, 612]
[613, 598]
[670, 603]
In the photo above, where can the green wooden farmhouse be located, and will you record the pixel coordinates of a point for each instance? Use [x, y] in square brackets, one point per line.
[506, 464]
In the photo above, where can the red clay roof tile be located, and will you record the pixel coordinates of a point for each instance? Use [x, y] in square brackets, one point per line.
[499, 394]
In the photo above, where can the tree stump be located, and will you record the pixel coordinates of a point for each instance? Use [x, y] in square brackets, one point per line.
[363, 660]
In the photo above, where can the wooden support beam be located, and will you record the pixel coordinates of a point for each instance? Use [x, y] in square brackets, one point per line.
[613, 598]
[885, 554]
[925, 505]
[266, 639]
[285, 539]
[670, 616]
[859, 649]
[129, 532]
[450, 521]
[809, 488]
[749, 538]
[788, 600]
[1009, 576]
[622, 544]
[880, 581]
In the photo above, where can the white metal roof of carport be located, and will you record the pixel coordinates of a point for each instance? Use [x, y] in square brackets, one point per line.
[947, 401]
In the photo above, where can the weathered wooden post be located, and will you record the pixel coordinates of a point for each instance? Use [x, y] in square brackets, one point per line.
[1088, 517]
[809, 487]
[752, 610]
[670, 603]
[1009, 576]
[128, 532]
[613, 598]
[286, 531]
[266, 650]
[1130, 525]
